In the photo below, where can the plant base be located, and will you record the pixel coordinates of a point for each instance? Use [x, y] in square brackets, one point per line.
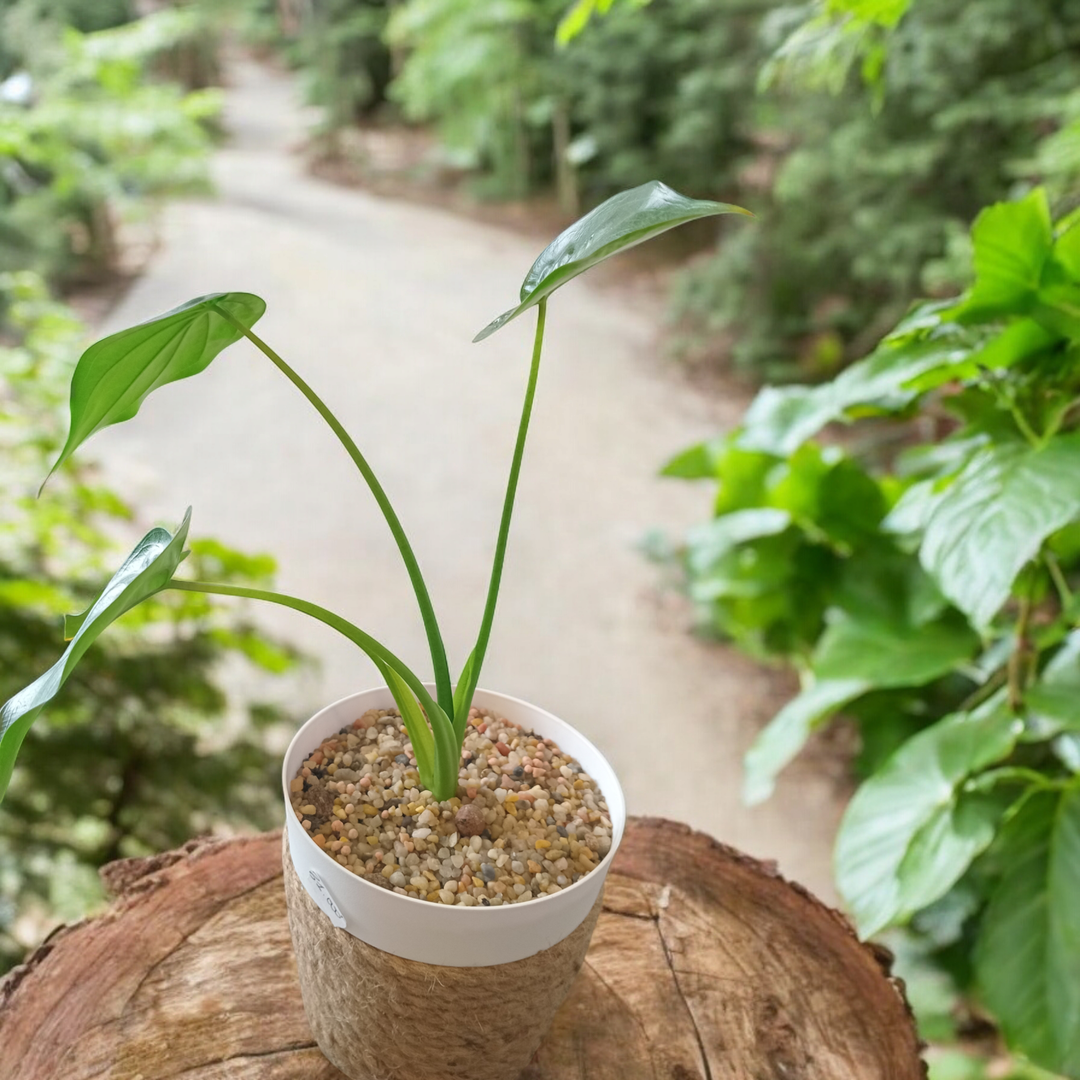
[377, 1016]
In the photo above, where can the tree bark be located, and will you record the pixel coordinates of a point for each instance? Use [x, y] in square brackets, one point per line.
[705, 965]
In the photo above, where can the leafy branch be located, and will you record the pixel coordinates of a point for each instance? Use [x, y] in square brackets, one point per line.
[914, 581]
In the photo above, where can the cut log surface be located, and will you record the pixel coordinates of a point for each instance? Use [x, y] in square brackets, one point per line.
[705, 965]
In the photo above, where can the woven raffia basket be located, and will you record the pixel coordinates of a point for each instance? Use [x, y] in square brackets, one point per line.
[377, 1016]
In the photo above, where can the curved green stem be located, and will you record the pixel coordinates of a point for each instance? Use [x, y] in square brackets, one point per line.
[471, 675]
[443, 689]
[377, 651]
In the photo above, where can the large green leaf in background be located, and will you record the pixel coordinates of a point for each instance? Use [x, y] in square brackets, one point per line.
[1021, 269]
[147, 570]
[708, 542]
[853, 656]
[1028, 957]
[1053, 702]
[1012, 241]
[911, 830]
[993, 518]
[888, 654]
[781, 419]
[786, 733]
[624, 220]
[114, 376]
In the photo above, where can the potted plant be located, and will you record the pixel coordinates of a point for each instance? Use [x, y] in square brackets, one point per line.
[436, 932]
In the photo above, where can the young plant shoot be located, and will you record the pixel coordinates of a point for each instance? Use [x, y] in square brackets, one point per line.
[114, 376]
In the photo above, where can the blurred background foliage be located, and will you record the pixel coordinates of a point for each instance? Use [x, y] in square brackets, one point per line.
[147, 750]
[88, 134]
[138, 757]
[865, 141]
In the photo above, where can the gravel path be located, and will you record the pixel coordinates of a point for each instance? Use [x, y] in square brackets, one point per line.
[376, 302]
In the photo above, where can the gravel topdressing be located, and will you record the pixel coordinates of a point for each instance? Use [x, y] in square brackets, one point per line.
[526, 820]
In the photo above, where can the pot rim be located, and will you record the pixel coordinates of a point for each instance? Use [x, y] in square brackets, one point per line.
[617, 816]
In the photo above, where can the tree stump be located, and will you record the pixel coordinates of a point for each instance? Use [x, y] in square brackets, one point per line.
[705, 965]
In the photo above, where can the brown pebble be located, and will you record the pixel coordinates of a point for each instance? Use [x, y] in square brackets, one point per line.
[320, 798]
[470, 820]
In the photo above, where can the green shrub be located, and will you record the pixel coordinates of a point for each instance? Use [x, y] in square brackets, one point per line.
[921, 577]
[485, 75]
[666, 91]
[870, 201]
[98, 140]
[346, 62]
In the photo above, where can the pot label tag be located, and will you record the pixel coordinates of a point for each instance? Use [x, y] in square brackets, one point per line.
[321, 894]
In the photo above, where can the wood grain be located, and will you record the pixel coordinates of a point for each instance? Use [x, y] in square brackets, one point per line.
[705, 965]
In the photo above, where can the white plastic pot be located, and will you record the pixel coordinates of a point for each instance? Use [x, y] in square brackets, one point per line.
[450, 936]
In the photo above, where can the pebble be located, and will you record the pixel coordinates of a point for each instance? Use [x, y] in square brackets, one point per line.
[526, 822]
[470, 820]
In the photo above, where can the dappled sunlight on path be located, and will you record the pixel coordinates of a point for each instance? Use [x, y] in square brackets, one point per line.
[376, 302]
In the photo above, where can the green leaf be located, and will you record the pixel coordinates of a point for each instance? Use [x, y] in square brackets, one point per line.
[912, 510]
[461, 706]
[781, 419]
[415, 724]
[853, 656]
[994, 517]
[1012, 241]
[697, 462]
[1053, 702]
[1018, 341]
[1027, 960]
[709, 542]
[626, 219]
[888, 654]
[1067, 250]
[147, 570]
[115, 375]
[787, 732]
[574, 21]
[911, 830]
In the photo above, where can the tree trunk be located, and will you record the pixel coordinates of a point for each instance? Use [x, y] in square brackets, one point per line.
[705, 965]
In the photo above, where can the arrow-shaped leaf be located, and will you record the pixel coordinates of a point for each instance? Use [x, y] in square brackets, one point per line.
[624, 220]
[416, 725]
[147, 570]
[115, 375]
